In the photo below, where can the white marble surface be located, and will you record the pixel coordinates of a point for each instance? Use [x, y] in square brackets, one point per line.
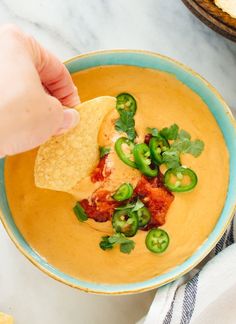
[69, 27]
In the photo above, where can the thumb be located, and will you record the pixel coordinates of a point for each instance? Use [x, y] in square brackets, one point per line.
[59, 120]
[37, 127]
[70, 120]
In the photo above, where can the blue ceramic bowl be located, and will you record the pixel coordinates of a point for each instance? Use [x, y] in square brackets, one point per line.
[225, 121]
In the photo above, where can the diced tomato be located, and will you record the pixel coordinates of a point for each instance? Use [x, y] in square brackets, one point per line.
[101, 207]
[156, 198]
[151, 191]
[100, 172]
[157, 182]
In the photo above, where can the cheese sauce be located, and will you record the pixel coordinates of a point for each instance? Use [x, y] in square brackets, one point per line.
[46, 220]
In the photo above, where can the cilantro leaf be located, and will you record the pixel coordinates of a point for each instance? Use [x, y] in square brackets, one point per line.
[171, 158]
[196, 148]
[125, 121]
[184, 135]
[116, 238]
[108, 242]
[104, 151]
[126, 124]
[181, 145]
[105, 244]
[127, 247]
[170, 133]
[131, 133]
[128, 206]
[120, 126]
[139, 204]
[152, 131]
[134, 206]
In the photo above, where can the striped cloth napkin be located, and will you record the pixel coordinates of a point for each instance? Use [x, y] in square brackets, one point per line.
[206, 295]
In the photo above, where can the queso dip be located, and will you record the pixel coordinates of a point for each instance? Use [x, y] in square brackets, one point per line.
[46, 219]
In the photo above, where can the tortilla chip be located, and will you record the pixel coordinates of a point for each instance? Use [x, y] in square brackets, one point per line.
[66, 159]
[5, 319]
[228, 6]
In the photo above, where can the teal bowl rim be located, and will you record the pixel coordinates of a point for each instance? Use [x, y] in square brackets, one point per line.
[224, 119]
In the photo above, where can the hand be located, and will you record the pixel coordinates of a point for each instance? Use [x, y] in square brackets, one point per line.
[34, 87]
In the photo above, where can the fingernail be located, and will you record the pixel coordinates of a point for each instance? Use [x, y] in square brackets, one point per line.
[75, 100]
[70, 120]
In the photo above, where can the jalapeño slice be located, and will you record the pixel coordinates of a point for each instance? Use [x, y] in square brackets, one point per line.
[125, 191]
[80, 213]
[158, 145]
[180, 179]
[125, 157]
[126, 102]
[157, 240]
[144, 216]
[142, 159]
[126, 222]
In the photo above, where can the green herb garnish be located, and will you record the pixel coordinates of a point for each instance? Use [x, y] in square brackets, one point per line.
[128, 206]
[181, 144]
[126, 107]
[127, 247]
[170, 133]
[133, 206]
[153, 131]
[171, 158]
[80, 213]
[104, 151]
[108, 242]
[196, 148]
[184, 135]
[126, 124]
[105, 243]
[138, 205]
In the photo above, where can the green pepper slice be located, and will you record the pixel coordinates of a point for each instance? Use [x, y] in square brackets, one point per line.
[157, 240]
[144, 216]
[158, 145]
[126, 222]
[180, 179]
[125, 101]
[125, 191]
[122, 155]
[80, 213]
[142, 159]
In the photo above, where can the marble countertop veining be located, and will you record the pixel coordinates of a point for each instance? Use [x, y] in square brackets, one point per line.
[76, 26]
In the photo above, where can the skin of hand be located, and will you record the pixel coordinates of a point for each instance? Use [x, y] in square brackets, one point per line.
[34, 87]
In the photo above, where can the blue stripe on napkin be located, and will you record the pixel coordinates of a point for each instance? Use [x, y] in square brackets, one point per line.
[189, 301]
[190, 292]
[169, 314]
